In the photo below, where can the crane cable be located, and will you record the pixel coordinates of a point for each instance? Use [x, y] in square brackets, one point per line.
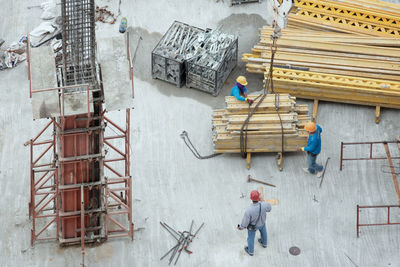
[269, 84]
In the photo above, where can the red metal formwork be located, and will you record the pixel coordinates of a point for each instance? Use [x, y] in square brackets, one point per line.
[81, 185]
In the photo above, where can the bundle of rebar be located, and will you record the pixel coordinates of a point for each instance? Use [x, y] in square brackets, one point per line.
[341, 51]
[183, 241]
[264, 131]
[79, 41]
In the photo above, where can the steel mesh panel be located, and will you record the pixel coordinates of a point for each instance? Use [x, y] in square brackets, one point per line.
[79, 42]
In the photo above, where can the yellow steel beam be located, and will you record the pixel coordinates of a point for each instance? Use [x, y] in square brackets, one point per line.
[336, 88]
[301, 91]
[370, 17]
[380, 6]
[290, 74]
[317, 18]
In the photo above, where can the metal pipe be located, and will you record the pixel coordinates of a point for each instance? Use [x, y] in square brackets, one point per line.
[341, 155]
[82, 227]
[358, 220]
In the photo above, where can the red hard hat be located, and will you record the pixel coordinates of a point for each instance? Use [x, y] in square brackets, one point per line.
[255, 195]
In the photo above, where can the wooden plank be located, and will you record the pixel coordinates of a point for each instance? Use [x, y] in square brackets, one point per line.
[315, 110]
[378, 114]
[361, 63]
[331, 47]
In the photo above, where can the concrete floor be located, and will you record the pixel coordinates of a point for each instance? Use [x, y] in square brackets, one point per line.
[171, 185]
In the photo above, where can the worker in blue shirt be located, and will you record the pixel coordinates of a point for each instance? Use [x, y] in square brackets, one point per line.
[240, 91]
[313, 148]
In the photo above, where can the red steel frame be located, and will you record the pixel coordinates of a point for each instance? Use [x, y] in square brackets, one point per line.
[121, 183]
[389, 158]
[119, 188]
[43, 187]
[387, 222]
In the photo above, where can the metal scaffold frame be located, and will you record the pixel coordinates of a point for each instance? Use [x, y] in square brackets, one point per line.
[44, 187]
[73, 193]
[118, 189]
[372, 156]
[388, 218]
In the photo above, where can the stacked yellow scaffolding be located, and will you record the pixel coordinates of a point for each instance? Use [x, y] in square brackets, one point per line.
[347, 51]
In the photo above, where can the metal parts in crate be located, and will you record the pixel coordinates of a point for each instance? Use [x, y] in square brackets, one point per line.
[238, 2]
[209, 54]
[168, 57]
[207, 71]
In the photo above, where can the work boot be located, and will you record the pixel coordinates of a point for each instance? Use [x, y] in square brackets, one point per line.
[319, 174]
[259, 241]
[306, 170]
[247, 250]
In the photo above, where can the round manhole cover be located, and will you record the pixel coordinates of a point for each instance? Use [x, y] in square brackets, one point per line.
[294, 251]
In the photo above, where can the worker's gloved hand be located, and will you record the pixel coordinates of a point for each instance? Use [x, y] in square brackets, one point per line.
[300, 149]
[250, 101]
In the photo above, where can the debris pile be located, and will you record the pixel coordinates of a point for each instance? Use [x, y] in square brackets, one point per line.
[12, 54]
[335, 51]
[209, 52]
[264, 132]
[104, 15]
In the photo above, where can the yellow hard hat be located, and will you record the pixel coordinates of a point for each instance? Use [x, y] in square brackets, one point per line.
[242, 80]
[310, 127]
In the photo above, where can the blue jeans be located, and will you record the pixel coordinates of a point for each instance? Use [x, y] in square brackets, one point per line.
[313, 167]
[252, 234]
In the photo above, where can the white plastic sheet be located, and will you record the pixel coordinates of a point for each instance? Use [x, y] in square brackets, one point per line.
[49, 10]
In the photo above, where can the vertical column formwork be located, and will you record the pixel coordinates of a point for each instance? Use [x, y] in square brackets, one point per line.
[69, 189]
[80, 137]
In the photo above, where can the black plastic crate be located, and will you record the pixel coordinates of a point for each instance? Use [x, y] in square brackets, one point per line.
[209, 80]
[166, 68]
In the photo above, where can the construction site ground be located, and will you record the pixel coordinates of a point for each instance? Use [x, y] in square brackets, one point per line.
[172, 186]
